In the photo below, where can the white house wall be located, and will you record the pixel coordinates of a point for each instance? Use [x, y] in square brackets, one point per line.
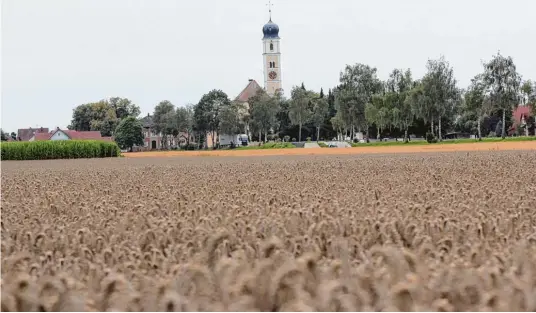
[59, 135]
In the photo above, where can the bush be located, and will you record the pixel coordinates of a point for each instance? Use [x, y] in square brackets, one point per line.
[492, 134]
[322, 144]
[430, 138]
[58, 149]
[293, 139]
[272, 137]
[277, 145]
[190, 146]
[286, 138]
[308, 139]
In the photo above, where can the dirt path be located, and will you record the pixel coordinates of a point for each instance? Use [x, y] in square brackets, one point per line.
[482, 146]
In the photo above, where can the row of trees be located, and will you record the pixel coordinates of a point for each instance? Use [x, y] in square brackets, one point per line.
[4, 136]
[361, 102]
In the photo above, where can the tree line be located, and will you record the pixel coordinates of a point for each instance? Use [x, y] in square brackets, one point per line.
[362, 103]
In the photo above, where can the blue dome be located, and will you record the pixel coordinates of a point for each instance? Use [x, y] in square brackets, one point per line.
[270, 30]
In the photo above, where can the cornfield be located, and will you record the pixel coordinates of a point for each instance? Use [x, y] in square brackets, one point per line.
[414, 232]
[58, 149]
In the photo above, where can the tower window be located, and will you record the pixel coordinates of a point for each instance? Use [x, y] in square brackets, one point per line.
[273, 64]
[271, 46]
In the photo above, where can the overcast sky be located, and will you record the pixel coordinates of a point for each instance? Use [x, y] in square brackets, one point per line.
[57, 54]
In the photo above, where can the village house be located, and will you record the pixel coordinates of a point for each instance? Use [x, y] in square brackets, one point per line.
[24, 134]
[519, 117]
[60, 134]
[154, 141]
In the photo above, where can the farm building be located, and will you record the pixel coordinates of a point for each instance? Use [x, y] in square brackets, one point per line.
[520, 117]
[60, 134]
[25, 134]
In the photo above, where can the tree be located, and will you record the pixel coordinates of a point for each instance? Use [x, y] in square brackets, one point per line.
[477, 102]
[13, 136]
[399, 86]
[264, 110]
[440, 87]
[103, 115]
[338, 124]
[371, 114]
[283, 120]
[164, 120]
[103, 118]
[129, 133]
[184, 118]
[4, 136]
[358, 83]
[229, 117]
[377, 113]
[300, 108]
[123, 107]
[421, 105]
[82, 117]
[207, 110]
[504, 82]
[528, 91]
[320, 111]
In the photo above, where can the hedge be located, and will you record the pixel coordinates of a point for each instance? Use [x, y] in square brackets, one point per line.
[58, 149]
[277, 145]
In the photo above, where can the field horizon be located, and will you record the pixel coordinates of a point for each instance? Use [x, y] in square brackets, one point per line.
[476, 146]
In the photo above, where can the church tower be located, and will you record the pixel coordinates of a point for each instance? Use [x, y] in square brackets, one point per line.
[272, 57]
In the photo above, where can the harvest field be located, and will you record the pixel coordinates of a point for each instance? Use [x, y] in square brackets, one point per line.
[429, 231]
[475, 146]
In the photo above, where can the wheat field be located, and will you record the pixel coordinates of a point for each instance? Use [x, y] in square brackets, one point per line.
[408, 232]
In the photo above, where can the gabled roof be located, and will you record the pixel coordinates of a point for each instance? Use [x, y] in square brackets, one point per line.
[249, 91]
[83, 135]
[42, 136]
[26, 133]
[521, 111]
[147, 121]
[73, 134]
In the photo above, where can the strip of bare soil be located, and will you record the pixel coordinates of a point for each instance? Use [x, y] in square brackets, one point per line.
[477, 146]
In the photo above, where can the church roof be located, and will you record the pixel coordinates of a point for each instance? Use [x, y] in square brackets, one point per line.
[270, 30]
[249, 91]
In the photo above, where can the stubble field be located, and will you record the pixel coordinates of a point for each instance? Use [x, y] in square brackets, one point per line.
[433, 231]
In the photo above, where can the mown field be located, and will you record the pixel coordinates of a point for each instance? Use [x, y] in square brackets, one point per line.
[432, 231]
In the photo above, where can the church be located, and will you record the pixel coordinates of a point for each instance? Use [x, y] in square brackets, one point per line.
[271, 54]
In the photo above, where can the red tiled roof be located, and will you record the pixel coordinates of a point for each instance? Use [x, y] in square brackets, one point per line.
[249, 91]
[42, 136]
[83, 135]
[26, 133]
[520, 112]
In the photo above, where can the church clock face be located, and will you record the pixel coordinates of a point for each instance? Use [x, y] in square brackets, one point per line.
[272, 75]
